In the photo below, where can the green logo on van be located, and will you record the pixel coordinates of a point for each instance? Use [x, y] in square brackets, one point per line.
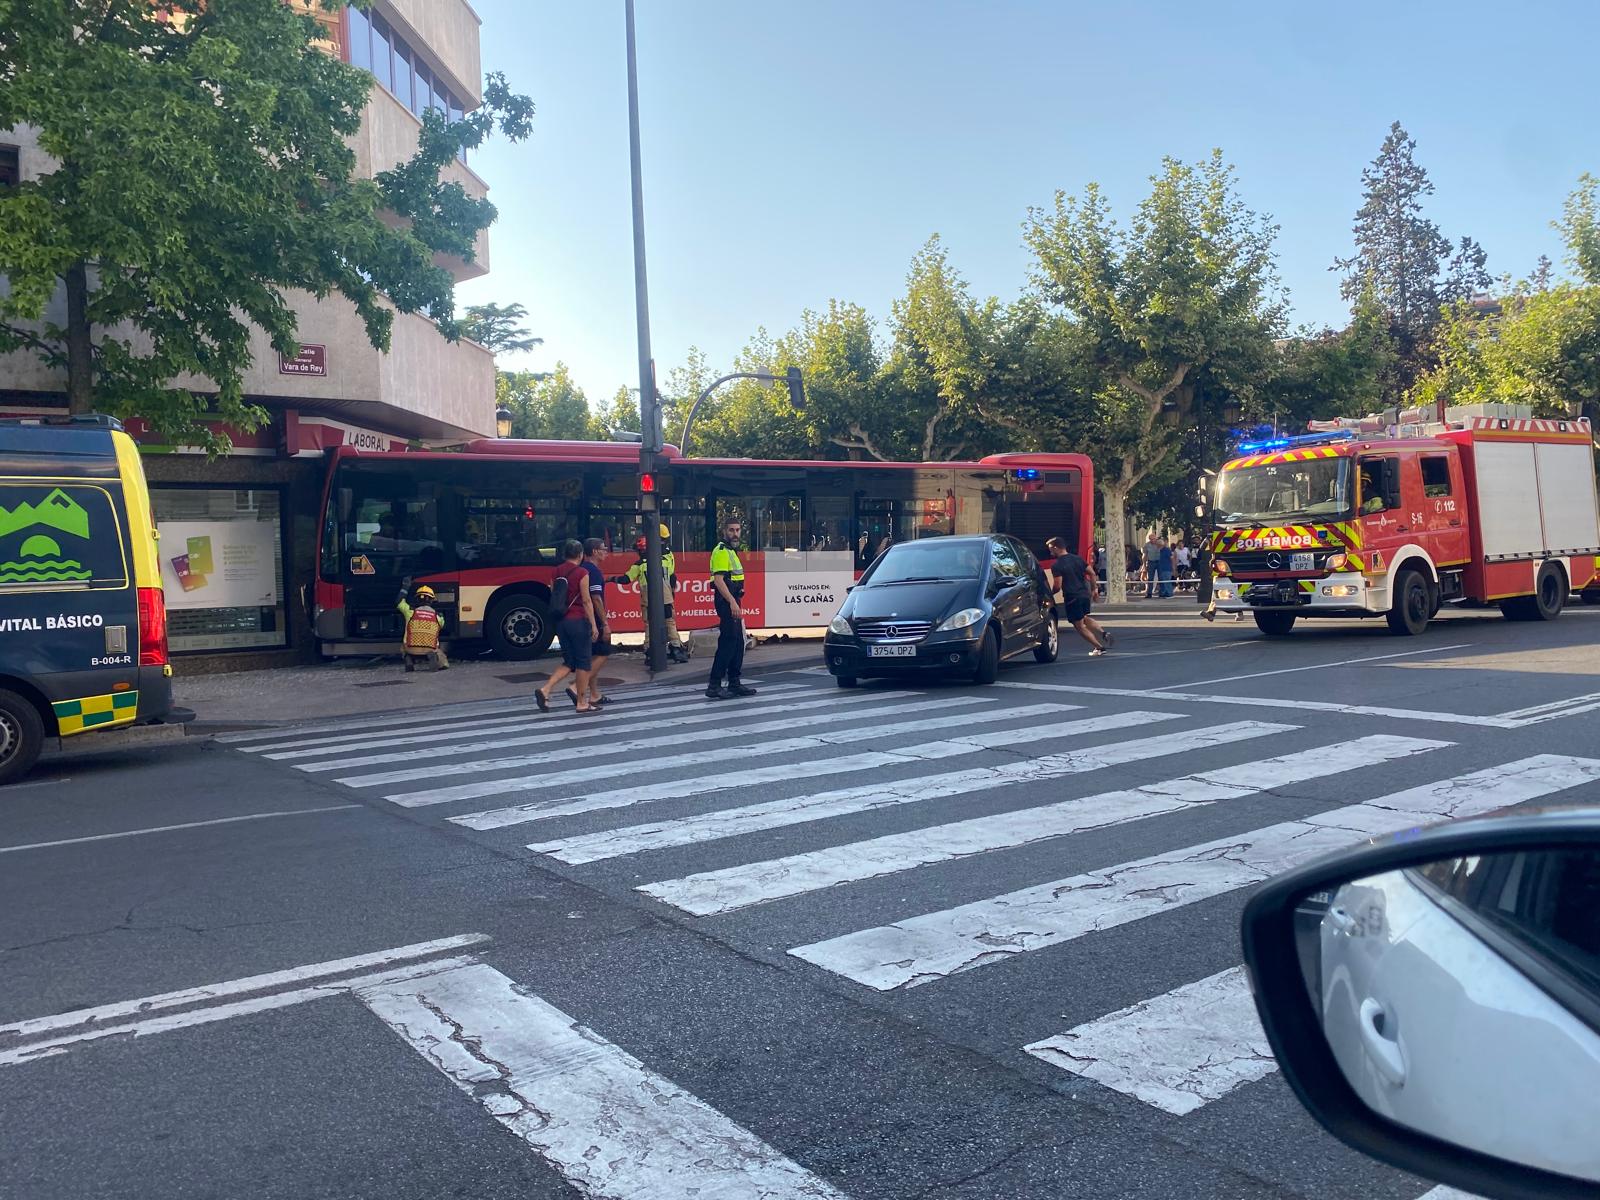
[40, 558]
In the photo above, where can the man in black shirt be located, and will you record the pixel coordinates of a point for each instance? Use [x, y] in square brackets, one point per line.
[1074, 582]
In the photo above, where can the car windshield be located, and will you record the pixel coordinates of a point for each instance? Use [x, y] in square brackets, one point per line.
[1276, 492]
[936, 558]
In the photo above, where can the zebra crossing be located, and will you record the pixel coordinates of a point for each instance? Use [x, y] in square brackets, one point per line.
[771, 802]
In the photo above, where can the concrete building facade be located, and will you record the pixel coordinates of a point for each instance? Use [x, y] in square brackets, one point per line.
[261, 500]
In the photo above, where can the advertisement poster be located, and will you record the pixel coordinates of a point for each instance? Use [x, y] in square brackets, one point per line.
[790, 590]
[219, 564]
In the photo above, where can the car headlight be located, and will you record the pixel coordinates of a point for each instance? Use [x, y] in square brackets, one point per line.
[840, 625]
[962, 619]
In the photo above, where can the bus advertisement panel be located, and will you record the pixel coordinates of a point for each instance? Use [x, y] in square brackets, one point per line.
[483, 528]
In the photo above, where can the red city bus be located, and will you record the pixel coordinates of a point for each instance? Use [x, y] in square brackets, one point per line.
[482, 527]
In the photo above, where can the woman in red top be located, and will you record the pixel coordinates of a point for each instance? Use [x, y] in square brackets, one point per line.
[576, 627]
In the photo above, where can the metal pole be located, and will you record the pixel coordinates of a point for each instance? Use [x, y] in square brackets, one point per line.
[649, 416]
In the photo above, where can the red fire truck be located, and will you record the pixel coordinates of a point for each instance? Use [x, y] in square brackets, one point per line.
[1364, 521]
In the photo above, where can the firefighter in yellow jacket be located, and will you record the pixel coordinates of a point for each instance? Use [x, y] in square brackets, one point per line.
[423, 628]
[677, 651]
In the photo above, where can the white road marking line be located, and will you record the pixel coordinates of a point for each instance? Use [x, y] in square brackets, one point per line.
[126, 833]
[938, 944]
[711, 892]
[1178, 1051]
[238, 987]
[794, 716]
[786, 772]
[1448, 1193]
[1549, 706]
[817, 806]
[524, 715]
[696, 783]
[605, 1121]
[419, 716]
[1299, 704]
[33, 1051]
[1558, 714]
[1347, 662]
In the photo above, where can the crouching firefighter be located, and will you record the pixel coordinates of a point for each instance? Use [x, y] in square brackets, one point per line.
[423, 627]
[676, 650]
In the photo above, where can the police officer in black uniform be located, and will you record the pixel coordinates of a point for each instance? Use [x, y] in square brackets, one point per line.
[727, 584]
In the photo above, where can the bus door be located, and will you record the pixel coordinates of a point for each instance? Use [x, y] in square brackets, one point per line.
[384, 524]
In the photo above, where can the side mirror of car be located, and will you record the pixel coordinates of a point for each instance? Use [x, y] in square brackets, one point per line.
[1434, 1001]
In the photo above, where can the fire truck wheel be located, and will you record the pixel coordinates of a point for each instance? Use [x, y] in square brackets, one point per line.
[1408, 616]
[1550, 593]
[1275, 624]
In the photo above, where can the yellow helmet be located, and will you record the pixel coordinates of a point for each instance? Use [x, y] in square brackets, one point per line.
[424, 592]
[666, 533]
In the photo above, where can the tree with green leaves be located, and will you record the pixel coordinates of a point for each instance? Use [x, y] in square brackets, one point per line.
[544, 404]
[498, 327]
[202, 172]
[1404, 260]
[1538, 344]
[1319, 374]
[1188, 286]
[621, 412]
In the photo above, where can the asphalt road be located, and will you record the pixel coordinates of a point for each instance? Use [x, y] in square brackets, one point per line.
[860, 911]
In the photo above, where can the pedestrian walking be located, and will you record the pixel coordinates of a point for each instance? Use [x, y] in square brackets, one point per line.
[1164, 567]
[727, 583]
[423, 627]
[601, 649]
[1074, 583]
[1183, 558]
[575, 626]
[1149, 556]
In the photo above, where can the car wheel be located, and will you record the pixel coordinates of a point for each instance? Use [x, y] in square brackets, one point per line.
[21, 736]
[1412, 605]
[1050, 646]
[988, 658]
[519, 627]
[846, 681]
[1274, 624]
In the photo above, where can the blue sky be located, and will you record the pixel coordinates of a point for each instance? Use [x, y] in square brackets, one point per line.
[795, 152]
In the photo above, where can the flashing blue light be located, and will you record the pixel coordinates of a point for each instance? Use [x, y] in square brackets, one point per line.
[1257, 447]
[1304, 439]
[1028, 473]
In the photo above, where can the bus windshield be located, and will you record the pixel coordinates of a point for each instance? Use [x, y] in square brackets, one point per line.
[1315, 489]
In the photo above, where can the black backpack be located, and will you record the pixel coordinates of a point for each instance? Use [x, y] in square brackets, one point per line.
[560, 597]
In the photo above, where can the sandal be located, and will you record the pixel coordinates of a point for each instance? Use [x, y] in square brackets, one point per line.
[572, 694]
[591, 711]
[541, 700]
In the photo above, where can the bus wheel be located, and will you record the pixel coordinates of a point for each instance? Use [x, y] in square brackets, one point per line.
[21, 736]
[1411, 605]
[519, 627]
[1274, 623]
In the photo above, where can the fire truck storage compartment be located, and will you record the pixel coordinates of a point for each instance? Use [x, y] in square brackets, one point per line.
[1556, 518]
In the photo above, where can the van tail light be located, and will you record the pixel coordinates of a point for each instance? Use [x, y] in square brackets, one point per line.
[152, 628]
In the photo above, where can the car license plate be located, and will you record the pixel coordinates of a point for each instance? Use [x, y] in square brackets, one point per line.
[1302, 562]
[892, 652]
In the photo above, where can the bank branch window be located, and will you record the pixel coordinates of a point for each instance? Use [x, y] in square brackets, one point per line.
[221, 555]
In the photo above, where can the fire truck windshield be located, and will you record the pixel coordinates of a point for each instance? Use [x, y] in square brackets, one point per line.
[1315, 489]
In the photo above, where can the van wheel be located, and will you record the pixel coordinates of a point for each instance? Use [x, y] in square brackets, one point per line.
[1050, 645]
[519, 627]
[1275, 623]
[21, 736]
[988, 658]
[1411, 605]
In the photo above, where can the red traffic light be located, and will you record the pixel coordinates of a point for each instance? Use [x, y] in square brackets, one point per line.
[647, 483]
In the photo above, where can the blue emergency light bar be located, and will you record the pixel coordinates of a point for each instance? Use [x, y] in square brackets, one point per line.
[1304, 439]
[1027, 473]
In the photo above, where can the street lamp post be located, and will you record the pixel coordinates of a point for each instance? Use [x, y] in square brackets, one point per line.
[791, 377]
[650, 444]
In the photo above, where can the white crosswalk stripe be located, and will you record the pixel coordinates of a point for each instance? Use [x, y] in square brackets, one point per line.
[1200, 1041]
[817, 806]
[661, 712]
[604, 734]
[725, 780]
[938, 944]
[755, 883]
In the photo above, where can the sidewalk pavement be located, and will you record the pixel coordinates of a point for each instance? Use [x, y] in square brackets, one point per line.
[357, 686]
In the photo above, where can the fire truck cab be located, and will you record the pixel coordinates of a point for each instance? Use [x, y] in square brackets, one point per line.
[1475, 511]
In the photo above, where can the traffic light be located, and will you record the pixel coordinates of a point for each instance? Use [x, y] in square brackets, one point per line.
[797, 388]
[647, 483]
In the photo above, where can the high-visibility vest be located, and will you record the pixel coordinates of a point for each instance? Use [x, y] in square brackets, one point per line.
[422, 630]
[725, 561]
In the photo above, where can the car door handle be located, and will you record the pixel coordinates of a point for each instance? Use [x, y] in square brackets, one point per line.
[1383, 1050]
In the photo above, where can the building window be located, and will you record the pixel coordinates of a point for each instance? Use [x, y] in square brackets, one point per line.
[360, 42]
[222, 567]
[10, 166]
[375, 46]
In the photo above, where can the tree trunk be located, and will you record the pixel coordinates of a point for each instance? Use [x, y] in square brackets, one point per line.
[80, 349]
[1115, 496]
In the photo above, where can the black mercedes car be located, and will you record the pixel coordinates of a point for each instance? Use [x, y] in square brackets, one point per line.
[954, 604]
